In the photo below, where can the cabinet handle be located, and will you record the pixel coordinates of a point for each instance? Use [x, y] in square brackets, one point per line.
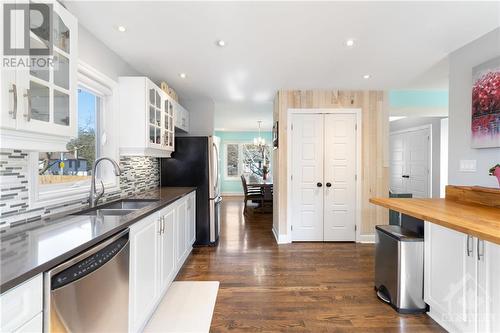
[160, 225]
[13, 113]
[319, 184]
[328, 184]
[480, 249]
[469, 248]
[405, 176]
[27, 115]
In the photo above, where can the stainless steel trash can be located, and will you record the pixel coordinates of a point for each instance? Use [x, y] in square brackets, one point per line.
[399, 268]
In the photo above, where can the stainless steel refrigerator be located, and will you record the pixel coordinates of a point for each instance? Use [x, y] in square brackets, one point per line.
[196, 162]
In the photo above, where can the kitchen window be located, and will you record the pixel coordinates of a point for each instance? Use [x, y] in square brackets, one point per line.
[64, 175]
[73, 167]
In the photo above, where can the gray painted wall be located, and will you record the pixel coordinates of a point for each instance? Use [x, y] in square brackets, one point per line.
[461, 63]
[408, 123]
[201, 116]
[95, 53]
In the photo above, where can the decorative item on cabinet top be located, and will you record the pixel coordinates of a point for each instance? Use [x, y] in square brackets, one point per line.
[38, 104]
[169, 91]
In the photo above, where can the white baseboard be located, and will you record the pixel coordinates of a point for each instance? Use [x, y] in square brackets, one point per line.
[366, 239]
[281, 239]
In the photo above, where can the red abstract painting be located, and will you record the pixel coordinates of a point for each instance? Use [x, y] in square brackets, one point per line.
[486, 105]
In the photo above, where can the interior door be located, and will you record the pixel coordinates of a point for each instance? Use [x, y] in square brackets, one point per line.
[409, 168]
[417, 163]
[340, 177]
[307, 177]
[397, 163]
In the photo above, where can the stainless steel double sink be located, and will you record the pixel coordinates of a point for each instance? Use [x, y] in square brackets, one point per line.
[118, 208]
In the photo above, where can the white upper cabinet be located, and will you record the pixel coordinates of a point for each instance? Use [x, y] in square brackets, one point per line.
[181, 117]
[39, 102]
[146, 119]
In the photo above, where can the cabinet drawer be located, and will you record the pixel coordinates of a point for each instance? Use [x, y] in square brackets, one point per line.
[21, 304]
[32, 326]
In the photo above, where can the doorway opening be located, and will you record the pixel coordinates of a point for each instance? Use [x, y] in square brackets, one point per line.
[418, 157]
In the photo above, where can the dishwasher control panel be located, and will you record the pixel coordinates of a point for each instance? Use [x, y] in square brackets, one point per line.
[88, 265]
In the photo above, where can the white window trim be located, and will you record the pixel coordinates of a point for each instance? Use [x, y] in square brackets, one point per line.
[96, 82]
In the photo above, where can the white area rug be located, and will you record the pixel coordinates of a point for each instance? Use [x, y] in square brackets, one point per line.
[187, 306]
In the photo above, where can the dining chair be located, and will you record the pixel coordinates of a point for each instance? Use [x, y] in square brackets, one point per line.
[252, 194]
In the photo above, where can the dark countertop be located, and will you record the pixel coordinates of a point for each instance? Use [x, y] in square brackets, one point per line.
[39, 246]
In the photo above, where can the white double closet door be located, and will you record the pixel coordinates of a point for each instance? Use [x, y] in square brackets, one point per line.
[323, 177]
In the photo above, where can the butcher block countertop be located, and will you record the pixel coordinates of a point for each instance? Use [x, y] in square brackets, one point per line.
[471, 210]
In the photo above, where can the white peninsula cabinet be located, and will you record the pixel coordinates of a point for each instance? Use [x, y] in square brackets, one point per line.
[461, 280]
[146, 118]
[155, 243]
[21, 307]
[38, 104]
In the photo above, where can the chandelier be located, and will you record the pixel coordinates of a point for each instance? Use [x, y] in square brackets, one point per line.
[259, 141]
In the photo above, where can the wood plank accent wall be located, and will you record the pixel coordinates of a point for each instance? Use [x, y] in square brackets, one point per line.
[375, 154]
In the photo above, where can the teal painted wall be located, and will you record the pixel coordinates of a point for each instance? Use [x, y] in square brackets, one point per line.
[234, 185]
[418, 98]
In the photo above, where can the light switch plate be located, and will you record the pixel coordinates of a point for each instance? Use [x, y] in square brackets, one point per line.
[468, 165]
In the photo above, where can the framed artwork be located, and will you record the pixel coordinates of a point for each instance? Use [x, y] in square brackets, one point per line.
[485, 125]
[275, 135]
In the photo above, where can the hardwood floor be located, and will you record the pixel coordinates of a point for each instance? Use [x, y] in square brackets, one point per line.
[301, 287]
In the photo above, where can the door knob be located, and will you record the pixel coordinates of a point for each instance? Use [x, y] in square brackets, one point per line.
[319, 184]
[328, 184]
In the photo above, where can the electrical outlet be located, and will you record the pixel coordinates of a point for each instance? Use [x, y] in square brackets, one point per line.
[468, 165]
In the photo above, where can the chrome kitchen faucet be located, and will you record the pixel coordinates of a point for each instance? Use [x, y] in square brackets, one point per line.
[94, 195]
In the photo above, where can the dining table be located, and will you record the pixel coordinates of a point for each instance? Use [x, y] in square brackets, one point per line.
[266, 185]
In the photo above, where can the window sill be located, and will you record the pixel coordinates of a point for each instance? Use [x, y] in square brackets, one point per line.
[50, 198]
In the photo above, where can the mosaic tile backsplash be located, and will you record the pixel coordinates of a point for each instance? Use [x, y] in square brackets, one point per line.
[139, 174]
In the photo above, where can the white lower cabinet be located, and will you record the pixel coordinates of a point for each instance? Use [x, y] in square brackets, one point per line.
[159, 245]
[167, 255]
[461, 280]
[488, 295]
[191, 216]
[181, 245]
[21, 307]
[144, 271]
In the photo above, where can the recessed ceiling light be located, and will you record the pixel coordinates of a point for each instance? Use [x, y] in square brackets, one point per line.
[366, 76]
[182, 75]
[121, 28]
[221, 43]
[349, 43]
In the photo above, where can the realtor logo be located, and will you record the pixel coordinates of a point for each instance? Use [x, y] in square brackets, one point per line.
[21, 19]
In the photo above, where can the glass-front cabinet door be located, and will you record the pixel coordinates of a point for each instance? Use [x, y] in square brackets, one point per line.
[155, 117]
[168, 125]
[47, 90]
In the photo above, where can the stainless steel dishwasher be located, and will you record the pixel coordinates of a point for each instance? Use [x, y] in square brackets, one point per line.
[89, 293]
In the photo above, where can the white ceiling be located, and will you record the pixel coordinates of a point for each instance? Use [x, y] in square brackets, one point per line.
[272, 45]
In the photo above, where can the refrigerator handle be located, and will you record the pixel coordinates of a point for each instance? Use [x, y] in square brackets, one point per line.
[217, 163]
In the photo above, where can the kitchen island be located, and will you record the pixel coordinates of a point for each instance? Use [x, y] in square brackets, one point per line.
[461, 255]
